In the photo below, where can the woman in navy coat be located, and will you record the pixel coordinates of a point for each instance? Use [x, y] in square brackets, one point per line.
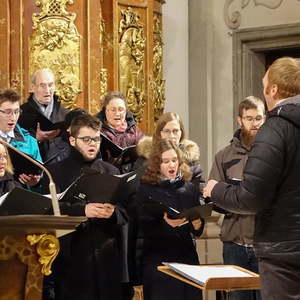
[167, 240]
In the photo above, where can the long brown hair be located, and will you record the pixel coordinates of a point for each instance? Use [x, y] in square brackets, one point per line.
[161, 123]
[152, 173]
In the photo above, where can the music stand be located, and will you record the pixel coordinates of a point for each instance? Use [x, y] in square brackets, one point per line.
[226, 284]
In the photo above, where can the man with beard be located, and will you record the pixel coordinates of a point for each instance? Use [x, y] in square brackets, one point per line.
[238, 230]
[90, 263]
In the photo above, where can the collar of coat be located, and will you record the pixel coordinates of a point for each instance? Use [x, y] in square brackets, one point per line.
[189, 149]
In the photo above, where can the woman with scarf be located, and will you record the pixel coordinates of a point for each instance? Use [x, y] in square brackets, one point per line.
[170, 127]
[119, 126]
[166, 180]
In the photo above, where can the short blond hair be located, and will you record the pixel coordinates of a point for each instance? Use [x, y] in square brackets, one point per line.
[285, 73]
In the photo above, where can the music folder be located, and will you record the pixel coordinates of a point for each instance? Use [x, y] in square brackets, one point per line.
[122, 155]
[193, 213]
[29, 120]
[93, 186]
[22, 165]
[24, 202]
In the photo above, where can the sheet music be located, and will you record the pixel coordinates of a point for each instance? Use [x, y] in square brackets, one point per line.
[200, 274]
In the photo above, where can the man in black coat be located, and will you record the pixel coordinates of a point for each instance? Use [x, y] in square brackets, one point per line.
[91, 263]
[43, 101]
[270, 186]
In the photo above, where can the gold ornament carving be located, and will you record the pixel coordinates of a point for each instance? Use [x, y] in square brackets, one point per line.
[158, 83]
[103, 81]
[55, 44]
[47, 247]
[132, 61]
[15, 80]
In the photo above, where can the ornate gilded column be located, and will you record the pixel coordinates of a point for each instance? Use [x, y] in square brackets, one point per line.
[55, 44]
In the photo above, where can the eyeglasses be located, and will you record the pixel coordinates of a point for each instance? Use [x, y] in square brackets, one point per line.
[88, 139]
[174, 131]
[257, 119]
[3, 157]
[9, 112]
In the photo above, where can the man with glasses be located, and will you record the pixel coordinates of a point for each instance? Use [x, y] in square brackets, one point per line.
[238, 230]
[12, 133]
[90, 263]
[42, 100]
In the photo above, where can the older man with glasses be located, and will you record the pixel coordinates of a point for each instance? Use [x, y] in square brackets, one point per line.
[12, 133]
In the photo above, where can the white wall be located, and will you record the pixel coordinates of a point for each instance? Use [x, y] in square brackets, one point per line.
[211, 78]
[175, 35]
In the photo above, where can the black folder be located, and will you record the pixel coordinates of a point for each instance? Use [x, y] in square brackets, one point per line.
[193, 213]
[101, 188]
[29, 120]
[122, 155]
[23, 165]
[24, 202]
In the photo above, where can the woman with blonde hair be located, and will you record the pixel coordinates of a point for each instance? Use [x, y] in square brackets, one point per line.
[166, 181]
[7, 182]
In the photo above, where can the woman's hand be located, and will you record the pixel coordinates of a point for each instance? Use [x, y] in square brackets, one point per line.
[197, 224]
[99, 210]
[174, 222]
[30, 180]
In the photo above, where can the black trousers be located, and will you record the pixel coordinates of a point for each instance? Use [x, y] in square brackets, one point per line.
[280, 280]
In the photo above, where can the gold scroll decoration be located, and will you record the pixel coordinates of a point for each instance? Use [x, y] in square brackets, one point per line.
[47, 247]
[158, 83]
[132, 61]
[55, 44]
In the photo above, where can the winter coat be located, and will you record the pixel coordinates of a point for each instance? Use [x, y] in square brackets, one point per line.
[228, 166]
[163, 243]
[129, 137]
[29, 108]
[190, 151]
[91, 263]
[270, 188]
[24, 142]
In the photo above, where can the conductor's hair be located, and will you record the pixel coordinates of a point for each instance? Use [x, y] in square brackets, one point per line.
[9, 95]
[84, 120]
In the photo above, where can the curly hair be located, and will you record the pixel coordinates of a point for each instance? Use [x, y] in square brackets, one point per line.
[152, 173]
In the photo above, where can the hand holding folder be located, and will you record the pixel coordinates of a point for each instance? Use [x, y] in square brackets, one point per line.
[193, 213]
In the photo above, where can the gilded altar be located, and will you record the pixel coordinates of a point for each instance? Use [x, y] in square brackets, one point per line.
[92, 47]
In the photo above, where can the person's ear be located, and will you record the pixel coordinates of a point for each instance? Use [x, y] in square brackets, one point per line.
[239, 120]
[72, 141]
[273, 91]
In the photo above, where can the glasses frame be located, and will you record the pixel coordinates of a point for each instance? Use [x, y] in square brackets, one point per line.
[88, 139]
[9, 113]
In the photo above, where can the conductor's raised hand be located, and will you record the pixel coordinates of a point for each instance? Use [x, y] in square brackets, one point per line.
[174, 222]
[99, 210]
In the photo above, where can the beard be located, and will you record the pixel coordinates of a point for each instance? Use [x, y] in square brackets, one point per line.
[247, 136]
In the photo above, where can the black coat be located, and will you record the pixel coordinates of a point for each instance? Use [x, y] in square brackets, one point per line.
[58, 114]
[7, 183]
[163, 243]
[271, 188]
[91, 261]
